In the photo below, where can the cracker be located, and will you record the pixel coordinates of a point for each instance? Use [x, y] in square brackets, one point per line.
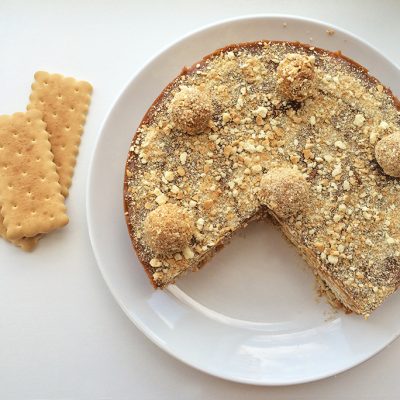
[27, 244]
[64, 103]
[30, 194]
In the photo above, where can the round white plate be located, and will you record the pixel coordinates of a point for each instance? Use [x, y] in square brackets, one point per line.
[252, 314]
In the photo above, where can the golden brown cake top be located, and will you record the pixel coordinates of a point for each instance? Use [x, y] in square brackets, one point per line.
[257, 121]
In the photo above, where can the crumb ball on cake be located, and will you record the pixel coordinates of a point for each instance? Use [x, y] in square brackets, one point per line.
[168, 229]
[387, 153]
[191, 110]
[284, 190]
[296, 77]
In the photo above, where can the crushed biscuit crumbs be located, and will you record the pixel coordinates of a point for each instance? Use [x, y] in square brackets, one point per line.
[328, 133]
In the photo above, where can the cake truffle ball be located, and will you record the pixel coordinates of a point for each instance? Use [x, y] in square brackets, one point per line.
[285, 191]
[191, 110]
[387, 153]
[168, 229]
[296, 77]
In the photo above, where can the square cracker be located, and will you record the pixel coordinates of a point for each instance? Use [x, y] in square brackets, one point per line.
[27, 244]
[64, 103]
[30, 194]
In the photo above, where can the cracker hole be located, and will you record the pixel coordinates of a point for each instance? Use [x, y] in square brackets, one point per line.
[10, 186]
[59, 96]
[72, 108]
[33, 140]
[54, 114]
[67, 127]
[51, 216]
[76, 90]
[41, 101]
[37, 158]
[47, 197]
[28, 121]
[45, 83]
[5, 166]
[43, 178]
[14, 206]
[19, 153]
[33, 212]
[24, 173]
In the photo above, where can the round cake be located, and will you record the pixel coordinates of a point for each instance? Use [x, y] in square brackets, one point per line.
[271, 129]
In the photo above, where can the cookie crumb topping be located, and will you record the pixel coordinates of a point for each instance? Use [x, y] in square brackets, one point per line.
[208, 143]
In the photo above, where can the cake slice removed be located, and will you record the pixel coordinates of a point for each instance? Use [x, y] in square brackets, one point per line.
[304, 135]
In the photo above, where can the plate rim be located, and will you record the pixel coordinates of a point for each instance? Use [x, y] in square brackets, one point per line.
[89, 217]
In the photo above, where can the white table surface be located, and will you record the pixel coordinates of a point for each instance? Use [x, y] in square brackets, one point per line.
[62, 335]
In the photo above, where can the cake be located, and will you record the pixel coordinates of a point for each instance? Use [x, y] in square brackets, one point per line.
[279, 130]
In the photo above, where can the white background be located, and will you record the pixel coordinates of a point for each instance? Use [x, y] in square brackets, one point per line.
[62, 336]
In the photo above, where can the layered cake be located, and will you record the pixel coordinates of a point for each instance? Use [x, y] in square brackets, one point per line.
[271, 130]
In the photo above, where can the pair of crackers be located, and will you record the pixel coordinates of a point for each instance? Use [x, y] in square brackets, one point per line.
[38, 152]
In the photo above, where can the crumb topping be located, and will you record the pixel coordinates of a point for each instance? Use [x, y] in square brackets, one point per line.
[351, 227]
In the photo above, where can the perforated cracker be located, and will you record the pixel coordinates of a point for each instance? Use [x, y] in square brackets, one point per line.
[64, 103]
[30, 194]
[27, 244]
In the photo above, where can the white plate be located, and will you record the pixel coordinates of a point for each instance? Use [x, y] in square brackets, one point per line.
[252, 314]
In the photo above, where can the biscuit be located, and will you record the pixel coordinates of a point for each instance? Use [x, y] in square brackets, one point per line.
[30, 194]
[64, 103]
[27, 244]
